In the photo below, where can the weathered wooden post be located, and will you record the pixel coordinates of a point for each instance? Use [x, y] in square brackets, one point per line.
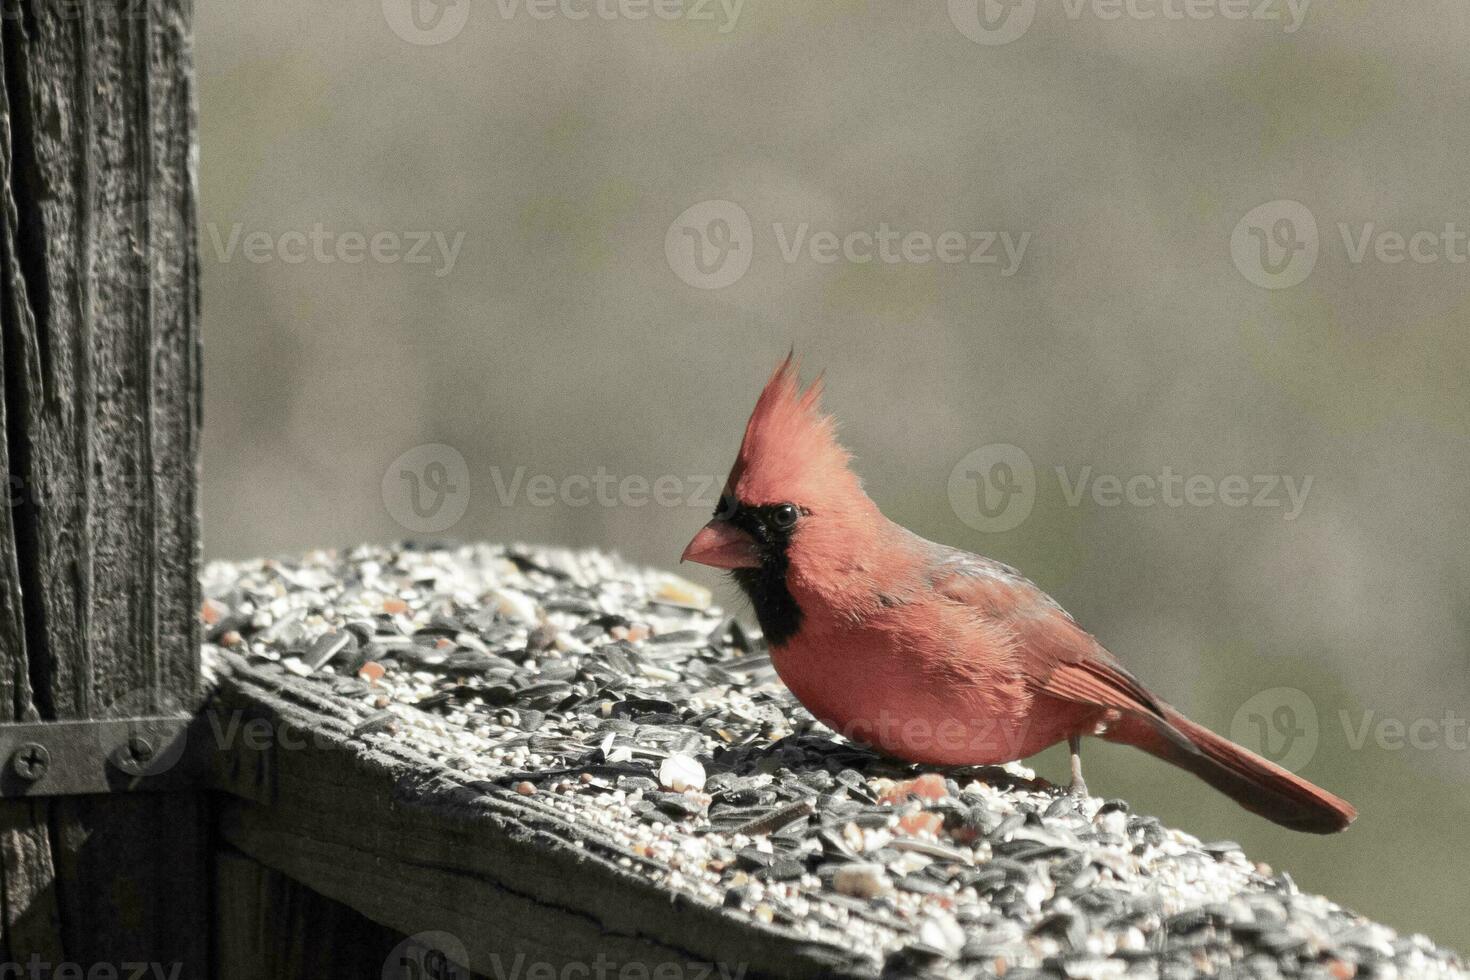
[99, 541]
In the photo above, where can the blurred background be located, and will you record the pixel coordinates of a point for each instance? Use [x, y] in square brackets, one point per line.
[1164, 305]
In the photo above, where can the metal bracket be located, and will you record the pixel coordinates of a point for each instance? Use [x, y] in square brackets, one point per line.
[102, 755]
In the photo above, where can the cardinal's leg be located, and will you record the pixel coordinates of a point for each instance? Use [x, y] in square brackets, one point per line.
[1078, 786]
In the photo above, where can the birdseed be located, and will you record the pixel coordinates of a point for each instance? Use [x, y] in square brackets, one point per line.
[633, 707]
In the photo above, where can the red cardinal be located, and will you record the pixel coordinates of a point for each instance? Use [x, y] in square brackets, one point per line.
[929, 653]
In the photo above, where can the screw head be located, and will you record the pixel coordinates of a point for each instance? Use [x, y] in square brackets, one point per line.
[133, 756]
[30, 761]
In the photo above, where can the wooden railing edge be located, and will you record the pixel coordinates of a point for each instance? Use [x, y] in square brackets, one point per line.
[394, 835]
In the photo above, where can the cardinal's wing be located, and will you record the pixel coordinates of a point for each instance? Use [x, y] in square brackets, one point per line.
[1065, 661]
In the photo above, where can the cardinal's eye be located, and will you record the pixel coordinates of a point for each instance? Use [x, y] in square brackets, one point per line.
[784, 516]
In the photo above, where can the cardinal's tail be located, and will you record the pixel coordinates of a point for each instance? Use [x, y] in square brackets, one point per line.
[1257, 784]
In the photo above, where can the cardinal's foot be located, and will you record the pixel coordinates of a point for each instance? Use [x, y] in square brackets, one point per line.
[1078, 786]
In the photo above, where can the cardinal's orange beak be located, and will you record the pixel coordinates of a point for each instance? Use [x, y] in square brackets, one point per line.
[721, 544]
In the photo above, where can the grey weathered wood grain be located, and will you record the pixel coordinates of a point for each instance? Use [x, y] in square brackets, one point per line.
[99, 340]
[378, 829]
[272, 927]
